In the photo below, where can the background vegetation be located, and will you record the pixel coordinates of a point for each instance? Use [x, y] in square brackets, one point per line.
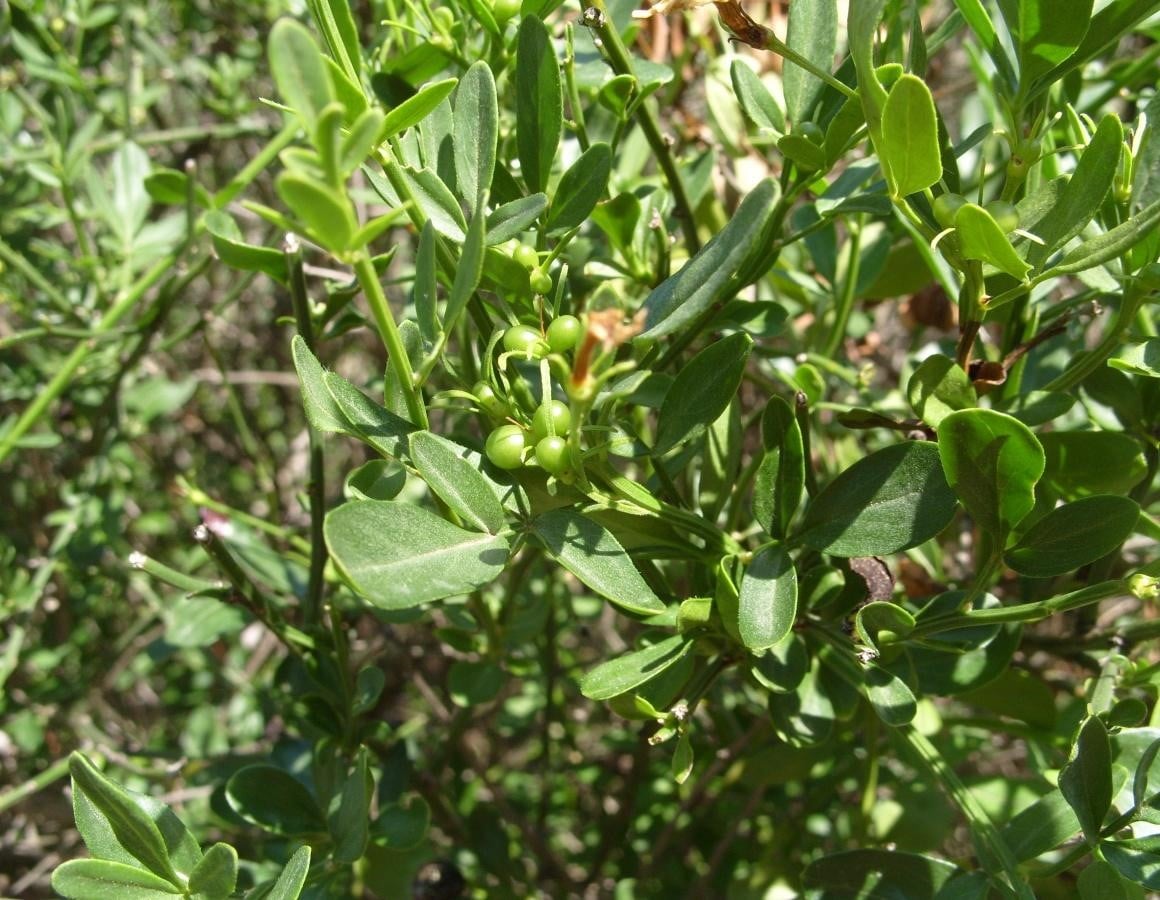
[509, 738]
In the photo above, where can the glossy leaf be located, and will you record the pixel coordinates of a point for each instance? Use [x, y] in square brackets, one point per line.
[1073, 535]
[707, 278]
[767, 604]
[633, 669]
[881, 623]
[938, 388]
[539, 102]
[457, 482]
[102, 879]
[1086, 781]
[396, 555]
[1082, 463]
[992, 462]
[781, 474]
[888, 694]
[349, 819]
[911, 158]
[476, 132]
[981, 238]
[702, 390]
[593, 554]
[580, 189]
[274, 800]
[891, 500]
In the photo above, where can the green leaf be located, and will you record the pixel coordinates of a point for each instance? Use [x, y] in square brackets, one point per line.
[468, 271]
[102, 879]
[992, 462]
[338, 28]
[981, 238]
[980, 22]
[911, 157]
[1082, 463]
[938, 388]
[199, 621]
[172, 188]
[514, 218]
[1086, 781]
[682, 764]
[349, 819]
[881, 623]
[593, 554]
[369, 686]
[131, 826]
[360, 142]
[1046, 33]
[539, 103]
[1018, 694]
[473, 683]
[1139, 359]
[299, 70]
[633, 669]
[755, 99]
[1043, 826]
[475, 132]
[781, 474]
[1074, 535]
[274, 800]
[1083, 195]
[702, 390]
[891, 500]
[322, 410]
[415, 109]
[217, 873]
[437, 202]
[1137, 859]
[1102, 881]
[326, 212]
[425, 291]
[767, 605]
[874, 874]
[293, 877]
[402, 825]
[456, 482]
[813, 33]
[580, 189]
[236, 253]
[708, 278]
[396, 555]
[1107, 246]
[888, 694]
[368, 421]
[862, 25]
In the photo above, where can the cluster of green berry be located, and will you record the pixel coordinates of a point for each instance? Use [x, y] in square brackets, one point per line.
[508, 445]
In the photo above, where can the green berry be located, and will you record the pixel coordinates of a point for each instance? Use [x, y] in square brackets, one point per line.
[503, 10]
[555, 413]
[564, 333]
[1005, 214]
[505, 447]
[523, 339]
[540, 281]
[552, 453]
[945, 206]
[489, 401]
[526, 256]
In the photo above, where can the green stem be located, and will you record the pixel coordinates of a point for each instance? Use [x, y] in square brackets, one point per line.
[849, 285]
[1111, 341]
[37, 783]
[617, 57]
[368, 279]
[258, 164]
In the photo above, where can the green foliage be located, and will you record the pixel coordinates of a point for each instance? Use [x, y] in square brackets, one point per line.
[606, 473]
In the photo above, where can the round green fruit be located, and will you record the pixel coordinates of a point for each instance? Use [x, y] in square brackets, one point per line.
[945, 206]
[503, 10]
[505, 447]
[489, 401]
[564, 333]
[526, 256]
[540, 281]
[523, 339]
[552, 418]
[553, 455]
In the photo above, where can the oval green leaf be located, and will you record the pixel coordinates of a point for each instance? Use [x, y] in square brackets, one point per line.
[633, 669]
[1074, 535]
[767, 604]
